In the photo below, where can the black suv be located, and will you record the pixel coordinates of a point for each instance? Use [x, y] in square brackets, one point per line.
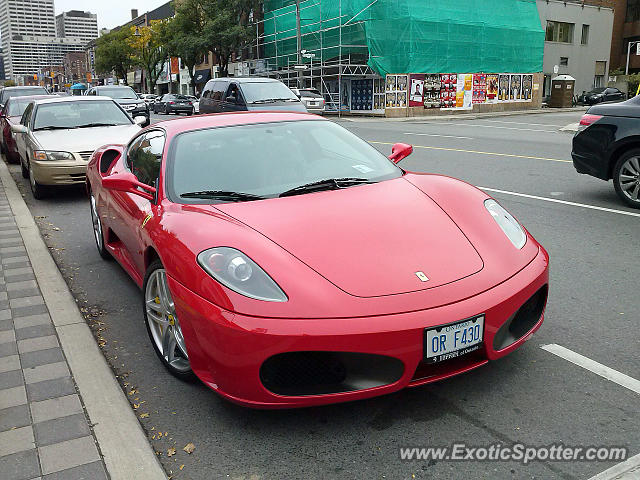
[126, 97]
[8, 92]
[248, 94]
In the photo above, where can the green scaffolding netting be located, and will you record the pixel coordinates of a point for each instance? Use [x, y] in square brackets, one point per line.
[417, 36]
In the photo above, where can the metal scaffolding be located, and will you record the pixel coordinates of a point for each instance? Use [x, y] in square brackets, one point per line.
[322, 66]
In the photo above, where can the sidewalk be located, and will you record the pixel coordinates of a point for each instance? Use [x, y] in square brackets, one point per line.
[62, 413]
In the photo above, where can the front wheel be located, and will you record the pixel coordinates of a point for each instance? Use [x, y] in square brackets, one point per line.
[39, 191]
[162, 323]
[626, 178]
[97, 229]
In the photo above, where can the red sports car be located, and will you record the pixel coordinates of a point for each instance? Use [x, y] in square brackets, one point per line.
[10, 114]
[285, 262]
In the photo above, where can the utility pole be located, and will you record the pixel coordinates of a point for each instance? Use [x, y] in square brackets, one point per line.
[299, 45]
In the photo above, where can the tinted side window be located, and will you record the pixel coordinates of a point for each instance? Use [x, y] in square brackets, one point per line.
[145, 156]
[26, 116]
[218, 90]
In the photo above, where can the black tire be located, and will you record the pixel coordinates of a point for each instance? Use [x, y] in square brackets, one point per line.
[187, 375]
[39, 191]
[23, 169]
[3, 148]
[633, 171]
[100, 240]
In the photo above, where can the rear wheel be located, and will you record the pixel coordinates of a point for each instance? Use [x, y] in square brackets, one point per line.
[626, 178]
[162, 322]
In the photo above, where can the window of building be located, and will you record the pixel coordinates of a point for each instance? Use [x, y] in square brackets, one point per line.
[585, 35]
[559, 32]
[633, 11]
[564, 61]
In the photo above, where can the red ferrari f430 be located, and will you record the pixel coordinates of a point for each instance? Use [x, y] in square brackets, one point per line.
[285, 262]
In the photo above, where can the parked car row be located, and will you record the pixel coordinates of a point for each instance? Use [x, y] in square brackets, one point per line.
[212, 224]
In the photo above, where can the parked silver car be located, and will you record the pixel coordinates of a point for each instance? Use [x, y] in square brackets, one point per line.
[57, 136]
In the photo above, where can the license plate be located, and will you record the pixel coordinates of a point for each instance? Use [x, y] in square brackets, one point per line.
[313, 104]
[451, 341]
[129, 107]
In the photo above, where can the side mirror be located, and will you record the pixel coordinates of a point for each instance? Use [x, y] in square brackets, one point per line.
[127, 182]
[140, 120]
[400, 151]
[18, 128]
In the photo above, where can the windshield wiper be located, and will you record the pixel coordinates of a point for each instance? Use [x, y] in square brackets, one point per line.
[89, 125]
[53, 127]
[328, 184]
[269, 100]
[223, 195]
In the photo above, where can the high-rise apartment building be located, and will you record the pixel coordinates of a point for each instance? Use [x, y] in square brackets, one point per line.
[77, 24]
[28, 37]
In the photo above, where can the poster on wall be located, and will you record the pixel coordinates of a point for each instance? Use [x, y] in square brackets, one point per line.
[431, 90]
[527, 88]
[516, 88]
[479, 88]
[362, 94]
[464, 91]
[503, 88]
[492, 88]
[448, 86]
[378, 94]
[416, 90]
[396, 92]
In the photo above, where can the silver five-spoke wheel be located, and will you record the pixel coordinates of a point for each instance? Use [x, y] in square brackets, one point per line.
[162, 322]
[630, 178]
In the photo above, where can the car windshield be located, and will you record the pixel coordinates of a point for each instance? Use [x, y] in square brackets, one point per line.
[79, 114]
[310, 92]
[16, 107]
[20, 92]
[269, 159]
[260, 91]
[597, 90]
[124, 93]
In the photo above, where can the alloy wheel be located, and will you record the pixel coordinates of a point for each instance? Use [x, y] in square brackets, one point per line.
[629, 178]
[163, 322]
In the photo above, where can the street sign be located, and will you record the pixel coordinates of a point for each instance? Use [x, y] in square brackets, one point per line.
[300, 67]
[556, 69]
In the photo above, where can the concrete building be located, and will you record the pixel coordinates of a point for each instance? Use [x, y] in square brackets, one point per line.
[2, 75]
[29, 37]
[75, 67]
[78, 24]
[577, 41]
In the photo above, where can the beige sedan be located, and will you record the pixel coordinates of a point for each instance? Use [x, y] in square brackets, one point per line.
[57, 136]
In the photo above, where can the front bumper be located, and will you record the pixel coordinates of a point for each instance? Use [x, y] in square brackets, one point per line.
[59, 172]
[228, 351]
[180, 108]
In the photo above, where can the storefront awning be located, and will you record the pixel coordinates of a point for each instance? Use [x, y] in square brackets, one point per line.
[202, 76]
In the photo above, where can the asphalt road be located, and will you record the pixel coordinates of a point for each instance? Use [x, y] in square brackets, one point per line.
[531, 396]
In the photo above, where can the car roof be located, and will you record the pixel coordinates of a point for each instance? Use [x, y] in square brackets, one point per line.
[112, 86]
[20, 87]
[213, 120]
[247, 79]
[72, 98]
[30, 97]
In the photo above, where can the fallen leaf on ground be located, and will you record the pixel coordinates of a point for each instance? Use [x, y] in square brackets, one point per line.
[189, 448]
[171, 451]
[181, 467]
[144, 415]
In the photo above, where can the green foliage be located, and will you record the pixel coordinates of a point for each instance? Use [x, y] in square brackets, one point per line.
[113, 53]
[226, 27]
[634, 81]
[183, 34]
[148, 49]
[9, 83]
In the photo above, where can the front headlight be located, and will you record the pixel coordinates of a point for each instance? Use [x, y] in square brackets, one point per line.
[235, 270]
[507, 223]
[49, 155]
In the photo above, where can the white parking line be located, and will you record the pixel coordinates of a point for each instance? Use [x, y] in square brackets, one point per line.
[522, 123]
[593, 366]
[629, 470]
[434, 135]
[564, 202]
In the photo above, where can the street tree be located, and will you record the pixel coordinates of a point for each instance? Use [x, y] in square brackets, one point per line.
[148, 50]
[184, 35]
[113, 53]
[227, 28]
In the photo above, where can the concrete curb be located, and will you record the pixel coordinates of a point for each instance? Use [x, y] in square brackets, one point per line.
[124, 445]
[629, 470]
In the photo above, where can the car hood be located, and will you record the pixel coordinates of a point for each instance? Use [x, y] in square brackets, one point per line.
[84, 139]
[368, 240]
[128, 101]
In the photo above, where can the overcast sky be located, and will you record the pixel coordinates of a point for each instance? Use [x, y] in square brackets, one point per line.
[111, 13]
